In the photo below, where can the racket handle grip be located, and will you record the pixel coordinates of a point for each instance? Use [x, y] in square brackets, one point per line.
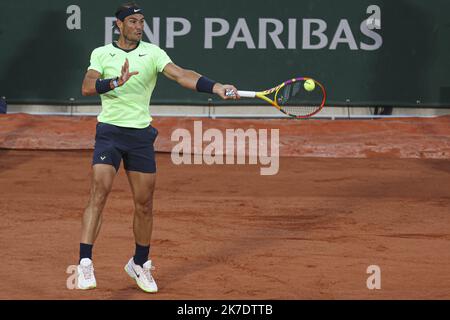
[247, 94]
[244, 94]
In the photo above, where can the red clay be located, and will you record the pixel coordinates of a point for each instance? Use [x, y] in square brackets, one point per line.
[416, 138]
[225, 232]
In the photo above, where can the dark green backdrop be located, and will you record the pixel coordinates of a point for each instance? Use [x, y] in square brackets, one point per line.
[42, 61]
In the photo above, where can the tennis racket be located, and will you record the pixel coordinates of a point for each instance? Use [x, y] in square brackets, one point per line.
[297, 98]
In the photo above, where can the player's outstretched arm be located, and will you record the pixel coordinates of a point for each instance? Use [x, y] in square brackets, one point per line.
[189, 79]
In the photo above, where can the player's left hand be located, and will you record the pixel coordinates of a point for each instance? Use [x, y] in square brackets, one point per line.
[221, 90]
[126, 74]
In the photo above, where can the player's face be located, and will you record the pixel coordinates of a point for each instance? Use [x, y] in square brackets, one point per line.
[133, 27]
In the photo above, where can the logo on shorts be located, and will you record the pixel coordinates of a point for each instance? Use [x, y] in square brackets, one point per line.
[141, 55]
[103, 157]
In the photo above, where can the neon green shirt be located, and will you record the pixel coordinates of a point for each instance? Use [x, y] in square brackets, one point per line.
[128, 105]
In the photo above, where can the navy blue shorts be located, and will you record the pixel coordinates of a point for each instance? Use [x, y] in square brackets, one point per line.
[134, 146]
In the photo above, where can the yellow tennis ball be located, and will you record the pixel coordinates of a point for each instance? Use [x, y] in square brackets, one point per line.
[309, 85]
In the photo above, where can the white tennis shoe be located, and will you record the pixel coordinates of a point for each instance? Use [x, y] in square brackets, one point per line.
[86, 278]
[142, 276]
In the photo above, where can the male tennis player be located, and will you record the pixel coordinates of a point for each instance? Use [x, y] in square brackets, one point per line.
[124, 133]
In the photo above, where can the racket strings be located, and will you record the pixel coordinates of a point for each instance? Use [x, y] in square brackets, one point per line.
[300, 111]
[294, 100]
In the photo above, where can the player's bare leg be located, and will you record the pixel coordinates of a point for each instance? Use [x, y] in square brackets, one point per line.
[101, 184]
[142, 186]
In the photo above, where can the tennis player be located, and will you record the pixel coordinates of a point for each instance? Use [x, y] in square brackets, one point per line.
[124, 75]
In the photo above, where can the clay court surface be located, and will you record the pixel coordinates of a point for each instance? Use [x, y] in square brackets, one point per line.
[226, 232]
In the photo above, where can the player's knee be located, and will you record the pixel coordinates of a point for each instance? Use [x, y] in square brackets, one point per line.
[99, 193]
[144, 208]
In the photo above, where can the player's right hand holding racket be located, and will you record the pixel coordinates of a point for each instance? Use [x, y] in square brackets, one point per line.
[298, 97]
